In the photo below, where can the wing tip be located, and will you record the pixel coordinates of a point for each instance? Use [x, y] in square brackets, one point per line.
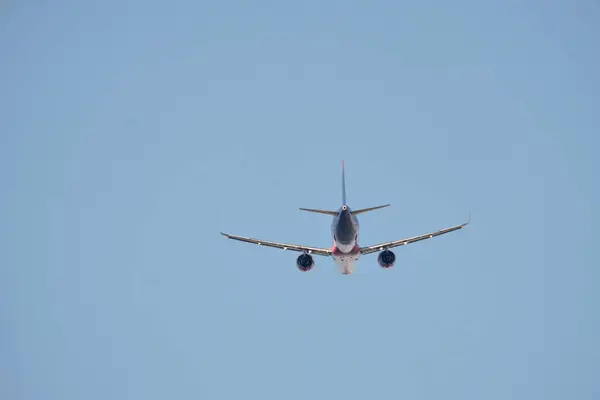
[468, 220]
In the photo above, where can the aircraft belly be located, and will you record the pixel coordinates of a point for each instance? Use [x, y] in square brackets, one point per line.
[345, 248]
[346, 262]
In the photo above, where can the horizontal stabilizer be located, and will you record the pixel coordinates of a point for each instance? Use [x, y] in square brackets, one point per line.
[363, 210]
[334, 213]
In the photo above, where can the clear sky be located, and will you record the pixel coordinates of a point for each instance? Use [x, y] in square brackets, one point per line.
[132, 132]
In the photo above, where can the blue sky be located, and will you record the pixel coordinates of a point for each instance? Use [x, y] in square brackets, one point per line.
[133, 132]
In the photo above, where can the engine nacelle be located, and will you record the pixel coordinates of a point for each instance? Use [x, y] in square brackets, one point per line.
[305, 262]
[386, 259]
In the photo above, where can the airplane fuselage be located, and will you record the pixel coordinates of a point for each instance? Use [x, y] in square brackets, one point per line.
[344, 231]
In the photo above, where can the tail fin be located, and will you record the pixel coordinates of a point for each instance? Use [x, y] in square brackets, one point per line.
[343, 185]
[363, 210]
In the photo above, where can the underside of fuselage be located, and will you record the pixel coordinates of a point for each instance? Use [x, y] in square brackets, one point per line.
[346, 262]
[345, 240]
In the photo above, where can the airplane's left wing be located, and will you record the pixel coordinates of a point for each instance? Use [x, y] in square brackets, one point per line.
[284, 246]
[404, 242]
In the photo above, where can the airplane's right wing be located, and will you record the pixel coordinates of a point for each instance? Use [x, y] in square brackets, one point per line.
[284, 246]
[404, 242]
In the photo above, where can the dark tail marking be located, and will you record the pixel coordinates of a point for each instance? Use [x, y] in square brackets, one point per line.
[343, 185]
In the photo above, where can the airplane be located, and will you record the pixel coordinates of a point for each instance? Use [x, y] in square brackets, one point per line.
[345, 249]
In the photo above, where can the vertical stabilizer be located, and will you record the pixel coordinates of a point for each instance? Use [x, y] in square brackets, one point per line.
[343, 185]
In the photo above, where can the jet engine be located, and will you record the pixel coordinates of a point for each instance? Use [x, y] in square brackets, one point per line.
[386, 259]
[305, 262]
